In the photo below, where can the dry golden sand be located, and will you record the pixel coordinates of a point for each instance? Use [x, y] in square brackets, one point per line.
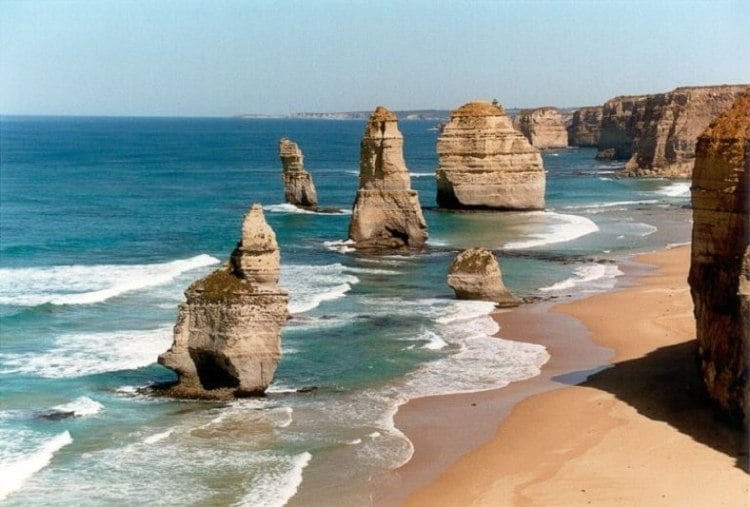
[638, 433]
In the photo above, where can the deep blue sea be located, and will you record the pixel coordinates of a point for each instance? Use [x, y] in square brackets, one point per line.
[105, 221]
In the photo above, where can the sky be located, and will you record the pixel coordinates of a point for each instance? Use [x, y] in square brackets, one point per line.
[229, 57]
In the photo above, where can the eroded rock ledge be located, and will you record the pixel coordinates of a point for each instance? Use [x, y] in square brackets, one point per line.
[227, 340]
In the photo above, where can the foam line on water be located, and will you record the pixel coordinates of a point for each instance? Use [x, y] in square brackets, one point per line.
[281, 483]
[559, 228]
[309, 286]
[79, 354]
[14, 474]
[292, 209]
[585, 275]
[675, 189]
[89, 284]
[80, 407]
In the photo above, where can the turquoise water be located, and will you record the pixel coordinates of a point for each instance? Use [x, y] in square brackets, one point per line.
[105, 221]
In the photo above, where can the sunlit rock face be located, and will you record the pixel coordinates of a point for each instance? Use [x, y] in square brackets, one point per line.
[299, 188]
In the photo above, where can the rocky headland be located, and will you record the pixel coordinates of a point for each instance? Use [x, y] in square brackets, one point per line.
[585, 127]
[227, 340]
[386, 212]
[475, 274]
[544, 127]
[299, 189]
[720, 261]
[484, 163]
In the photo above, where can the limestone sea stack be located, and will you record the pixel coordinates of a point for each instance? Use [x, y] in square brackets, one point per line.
[544, 127]
[298, 184]
[620, 122]
[484, 163]
[227, 337]
[664, 143]
[386, 213]
[585, 127]
[720, 262]
[475, 274]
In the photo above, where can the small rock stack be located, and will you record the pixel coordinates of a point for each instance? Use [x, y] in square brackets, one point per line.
[298, 183]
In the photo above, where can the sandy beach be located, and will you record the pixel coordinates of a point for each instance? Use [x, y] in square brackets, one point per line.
[638, 431]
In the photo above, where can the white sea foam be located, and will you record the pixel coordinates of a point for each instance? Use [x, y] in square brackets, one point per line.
[422, 175]
[80, 407]
[157, 437]
[14, 474]
[612, 204]
[371, 271]
[74, 355]
[280, 484]
[309, 285]
[88, 284]
[675, 189]
[292, 209]
[434, 341]
[586, 275]
[342, 246]
[557, 228]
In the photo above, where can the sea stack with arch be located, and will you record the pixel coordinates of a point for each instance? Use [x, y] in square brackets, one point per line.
[386, 212]
[227, 340]
[484, 163]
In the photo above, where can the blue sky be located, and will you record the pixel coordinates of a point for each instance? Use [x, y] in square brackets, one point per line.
[220, 58]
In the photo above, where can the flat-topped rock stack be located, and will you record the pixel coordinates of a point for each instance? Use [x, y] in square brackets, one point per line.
[484, 163]
[386, 212]
[475, 274]
[585, 127]
[227, 340]
[299, 188]
[544, 127]
[720, 260]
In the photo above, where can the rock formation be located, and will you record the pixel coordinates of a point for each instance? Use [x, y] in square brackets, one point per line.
[298, 184]
[484, 163]
[585, 127]
[665, 142]
[475, 274]
[227, 337]
[720, 263]
[544, 127]
[386, 213]
[620, 121]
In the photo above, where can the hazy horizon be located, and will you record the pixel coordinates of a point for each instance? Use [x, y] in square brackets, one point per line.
[174, 58]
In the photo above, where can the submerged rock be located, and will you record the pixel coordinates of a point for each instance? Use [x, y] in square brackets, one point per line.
[475, 274]
[544, 127]
[386, 212]
[298, 183]
[720, 260]
[227, 338]
[484, 163]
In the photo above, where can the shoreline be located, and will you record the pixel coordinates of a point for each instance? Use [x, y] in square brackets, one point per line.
[472, 448]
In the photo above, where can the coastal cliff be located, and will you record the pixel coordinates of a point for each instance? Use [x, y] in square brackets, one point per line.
[544, 127]
[664, 144]
[227, 338]
[475, 274]
[299, 189]
[620, 122]
[585, 127]
[720, 263]
[484, 163]
[386, 212]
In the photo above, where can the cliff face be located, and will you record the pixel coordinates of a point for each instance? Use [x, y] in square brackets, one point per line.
[664, 144]
[485, 163]
[475, 274]
[544, 127]
[585, 127]
[298, 184]
[386, 213]
[621, 119]
[227, 337]
[720, 264]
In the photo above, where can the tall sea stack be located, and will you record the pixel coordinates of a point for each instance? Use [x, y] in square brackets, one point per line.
[227, 338]
[484, 163]
[585, 127]
[386, 213]
[298, 184]
[720, 263]
[544, 127]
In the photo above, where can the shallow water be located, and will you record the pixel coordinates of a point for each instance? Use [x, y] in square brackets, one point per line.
[106, 221]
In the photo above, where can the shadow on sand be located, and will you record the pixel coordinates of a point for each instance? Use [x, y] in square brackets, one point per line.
[666, 385]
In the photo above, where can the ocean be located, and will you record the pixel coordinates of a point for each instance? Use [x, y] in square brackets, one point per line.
[104, 222]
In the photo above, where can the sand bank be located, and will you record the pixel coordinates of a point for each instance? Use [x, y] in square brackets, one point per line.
[638, 432]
